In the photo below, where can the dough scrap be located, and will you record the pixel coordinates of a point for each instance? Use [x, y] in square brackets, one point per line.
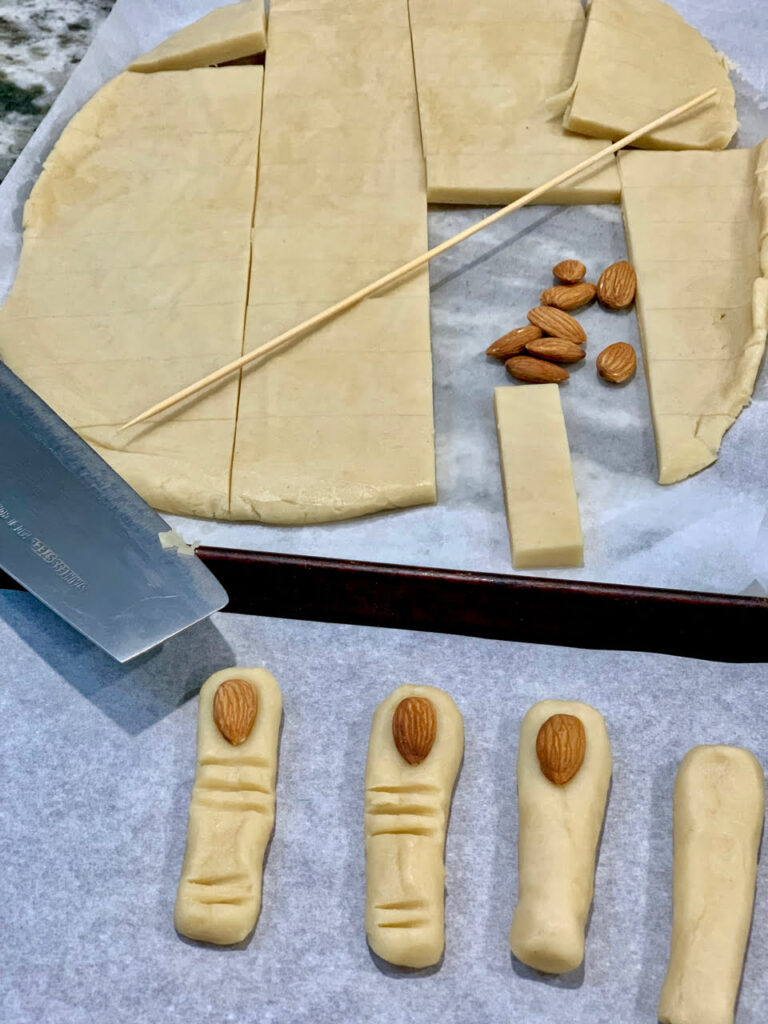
[225, 34]
[697, 234]
[406, 819]
[134, 271]
[558, 832]
[231, 817]
[340, 424]
[485, 72]
[718, 820]
[640, 59]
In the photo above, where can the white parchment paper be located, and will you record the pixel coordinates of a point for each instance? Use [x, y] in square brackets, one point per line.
[702, 534]
[97, 766]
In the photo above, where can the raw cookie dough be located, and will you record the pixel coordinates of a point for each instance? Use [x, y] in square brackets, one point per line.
[406, 818]
[231, 817]
[697, 234]
[134, 274]
[227, 33]
[339, 424]
[485, 71]
[718, 821]
[559, 829]
[539, 493]
[639, 60]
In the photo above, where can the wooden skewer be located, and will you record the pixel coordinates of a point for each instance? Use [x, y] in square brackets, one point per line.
[414, 264]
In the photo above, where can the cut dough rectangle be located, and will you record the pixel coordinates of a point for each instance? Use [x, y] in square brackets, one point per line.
[133, 278]
[694, 225]
[540, 497]
[339, 425]
[485, 73]
[657, 62]
[225, 34]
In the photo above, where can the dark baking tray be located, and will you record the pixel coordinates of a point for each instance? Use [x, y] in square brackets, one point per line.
[603, 616]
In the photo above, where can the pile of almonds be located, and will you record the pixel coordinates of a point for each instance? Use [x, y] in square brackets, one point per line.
[554, 337]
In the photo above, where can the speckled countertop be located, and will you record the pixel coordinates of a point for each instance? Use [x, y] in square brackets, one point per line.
[40, 41]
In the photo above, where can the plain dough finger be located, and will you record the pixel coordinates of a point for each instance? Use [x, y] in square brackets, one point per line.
[559, 829]
[718, 819]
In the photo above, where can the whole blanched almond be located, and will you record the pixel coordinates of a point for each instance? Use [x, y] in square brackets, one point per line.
[569, 271]
[617, 285]
[617, 363]
[558, 350]
[513, 342]
[235, 705]
[568, 296]
[560, 747]
[414, 727]
[535, 371]
[557, 324]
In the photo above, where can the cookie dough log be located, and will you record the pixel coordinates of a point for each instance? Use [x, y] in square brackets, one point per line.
[406, 817]
[559, 829]
[231, 813]
[226, 34]
[718, 820]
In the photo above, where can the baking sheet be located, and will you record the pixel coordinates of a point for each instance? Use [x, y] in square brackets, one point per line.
[707, 533]
[98, 761]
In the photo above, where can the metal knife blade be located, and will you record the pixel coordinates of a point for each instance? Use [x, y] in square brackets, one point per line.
[80, 539]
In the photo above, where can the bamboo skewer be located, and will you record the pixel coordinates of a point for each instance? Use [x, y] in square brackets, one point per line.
[351, 300]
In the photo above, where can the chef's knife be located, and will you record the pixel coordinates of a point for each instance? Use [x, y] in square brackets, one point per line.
[80, 539]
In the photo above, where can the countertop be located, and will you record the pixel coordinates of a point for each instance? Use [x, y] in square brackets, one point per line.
[40, 41]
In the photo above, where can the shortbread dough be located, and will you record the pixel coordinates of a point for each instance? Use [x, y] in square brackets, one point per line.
[537, 475]
[639, 60]
[339, 424]
[485, 71]
[225, 34]
[718, 821]
[134, 274]
[559, 829]
[697, 234]
[231, 817]
[406, 818]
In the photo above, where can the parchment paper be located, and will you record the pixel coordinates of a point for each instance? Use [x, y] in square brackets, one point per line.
[97, 766]
[702, 534]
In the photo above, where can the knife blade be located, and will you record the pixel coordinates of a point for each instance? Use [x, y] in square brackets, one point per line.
[75, 535]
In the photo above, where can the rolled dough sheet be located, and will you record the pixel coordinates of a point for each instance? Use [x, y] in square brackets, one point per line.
[697, 234]
[227, 33]
[340, 424]
[640, 59]
[134, 271]
[485, 72]
[718, 821]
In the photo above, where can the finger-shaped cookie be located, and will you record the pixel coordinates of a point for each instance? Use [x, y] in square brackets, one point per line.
[232, 809]
[415, 749]
[563, 775]
[718, 818]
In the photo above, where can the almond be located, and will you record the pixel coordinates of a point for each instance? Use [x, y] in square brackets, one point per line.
[617, 285]
[558, 350]
[557, 323]
[513, 342]
[414, 726]
[569, 271]
[535, 371]
[235, 705]
[560, 747]
[617, 363]
[568, 296]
